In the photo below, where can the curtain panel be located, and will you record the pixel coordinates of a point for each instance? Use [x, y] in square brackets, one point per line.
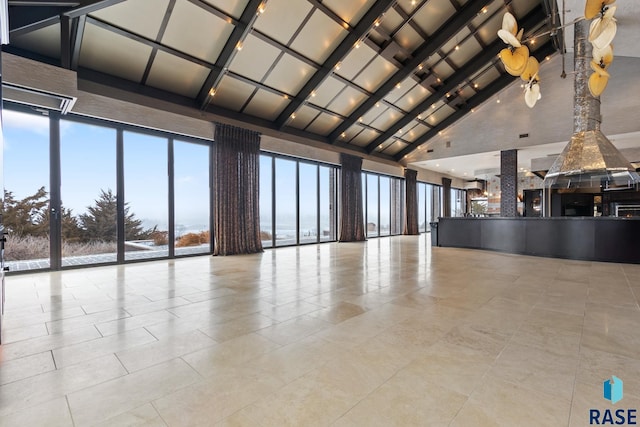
[351, 209]
[236, 208]
[411, 191]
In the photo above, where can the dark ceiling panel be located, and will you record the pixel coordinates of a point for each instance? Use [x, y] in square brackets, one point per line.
[440, 37]
[363, 26]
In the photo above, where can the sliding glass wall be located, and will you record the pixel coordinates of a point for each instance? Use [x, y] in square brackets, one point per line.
[192, 198]
[62, 204]
[429, 205]
[302, 195]
[146, 214]
[458, 202]
[88, 193]
[266, 200]
[25, 210]
[383, 204]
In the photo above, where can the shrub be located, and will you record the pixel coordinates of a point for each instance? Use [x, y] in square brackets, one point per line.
[20, 248]
[159, 237]
[193, 239]
[265, 235]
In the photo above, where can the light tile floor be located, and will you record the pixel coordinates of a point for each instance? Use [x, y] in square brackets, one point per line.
[387, 332]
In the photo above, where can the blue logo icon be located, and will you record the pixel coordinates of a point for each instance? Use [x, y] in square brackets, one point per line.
[613, 389]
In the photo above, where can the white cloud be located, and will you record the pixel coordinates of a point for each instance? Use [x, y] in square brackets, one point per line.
[23, 121]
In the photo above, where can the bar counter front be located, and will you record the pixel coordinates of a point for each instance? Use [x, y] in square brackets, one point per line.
[609, 239]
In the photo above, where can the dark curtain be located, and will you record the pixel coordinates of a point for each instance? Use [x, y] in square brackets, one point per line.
[351, 209]
[236, 209]
[411, 191]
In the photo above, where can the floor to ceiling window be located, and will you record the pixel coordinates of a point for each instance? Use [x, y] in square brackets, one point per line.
[428, 205]
[25, 210]
[266, 200]
[308, 197]
[146, 205]
[371, 205]
[192, 198]
[328, 205]
[286, 202]
[458, 202]
[385, 205]
[88, 193]
[383, 198]
[303, 196]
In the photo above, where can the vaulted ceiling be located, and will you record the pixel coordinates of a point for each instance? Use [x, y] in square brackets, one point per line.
[381, 77]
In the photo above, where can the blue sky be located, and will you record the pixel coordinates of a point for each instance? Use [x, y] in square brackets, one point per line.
[88, 156]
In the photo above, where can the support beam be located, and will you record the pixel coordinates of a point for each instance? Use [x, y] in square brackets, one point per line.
[473, 102]
[452, 82]
[26, 17]
[239, 33]
[441, 36]
[361, 29]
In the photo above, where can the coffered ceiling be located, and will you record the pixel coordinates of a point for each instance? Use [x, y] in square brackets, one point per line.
[379, 77]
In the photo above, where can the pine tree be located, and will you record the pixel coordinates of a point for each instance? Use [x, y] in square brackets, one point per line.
[100, 221]
[29, 216]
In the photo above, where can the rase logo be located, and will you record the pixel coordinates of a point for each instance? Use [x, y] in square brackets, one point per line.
[613, 391]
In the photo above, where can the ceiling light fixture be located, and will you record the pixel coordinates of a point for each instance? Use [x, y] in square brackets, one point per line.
[239, 46]
[262, 7]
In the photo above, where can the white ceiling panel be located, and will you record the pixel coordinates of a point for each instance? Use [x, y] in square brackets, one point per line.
[373, 113]
[282, 18]
[324, 124]
[395, 148]
[433, 14]
[230, 7]
[266, 105]
[440, 114]
[350, 133]
[176, 75]
[443, 70]
[319, 37]
[489, 31]
[111, 53]
[400, 91]
[408, 38]
[206, 35]
[289, 75]
[391, 21]
[465, 51]
[415, 132]
[377, 73]
[232, 93]
[365, 137]
[348, 101]
[303, 117]
[355, 61]
[326, 92]
[255, 58]
[386, 120]
[412, 98]
[128, 14]
[351, 11]
[484, 79]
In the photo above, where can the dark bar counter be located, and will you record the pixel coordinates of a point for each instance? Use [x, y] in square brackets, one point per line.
[607, 239]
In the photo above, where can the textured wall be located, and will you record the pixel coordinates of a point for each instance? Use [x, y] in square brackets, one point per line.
[509, 183]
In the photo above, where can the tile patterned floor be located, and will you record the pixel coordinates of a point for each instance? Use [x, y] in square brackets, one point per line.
[387, 332]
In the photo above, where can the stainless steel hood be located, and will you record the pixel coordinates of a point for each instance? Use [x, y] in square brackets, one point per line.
[590, 160]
